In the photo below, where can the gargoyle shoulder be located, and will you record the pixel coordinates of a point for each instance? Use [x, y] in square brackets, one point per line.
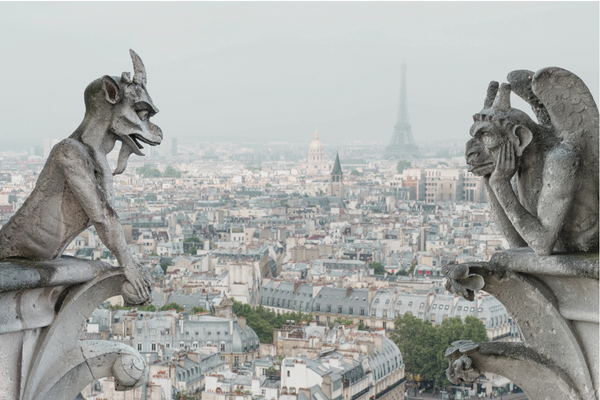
[71, 153]
[561, 166]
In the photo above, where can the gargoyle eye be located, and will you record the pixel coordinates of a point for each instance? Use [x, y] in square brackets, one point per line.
[143, 114]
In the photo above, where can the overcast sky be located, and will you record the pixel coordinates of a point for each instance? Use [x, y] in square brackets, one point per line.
[275, 71]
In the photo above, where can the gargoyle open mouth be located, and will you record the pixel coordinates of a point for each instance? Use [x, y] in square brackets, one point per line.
[137, 137]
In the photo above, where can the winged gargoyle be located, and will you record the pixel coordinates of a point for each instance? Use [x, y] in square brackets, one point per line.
[554, 206]
[75, 188]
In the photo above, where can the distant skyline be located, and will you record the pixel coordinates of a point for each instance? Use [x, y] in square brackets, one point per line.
[272, 71]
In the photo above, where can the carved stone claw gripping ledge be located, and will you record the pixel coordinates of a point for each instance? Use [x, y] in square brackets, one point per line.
[554, 302]
[45, 305]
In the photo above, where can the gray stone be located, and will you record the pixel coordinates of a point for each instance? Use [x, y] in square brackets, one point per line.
[45, 298]
[42, 357]
[548, 281]
[554, 204]
[75, 188]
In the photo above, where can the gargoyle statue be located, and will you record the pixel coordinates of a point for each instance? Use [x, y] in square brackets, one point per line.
[554, 204]
[75, 188]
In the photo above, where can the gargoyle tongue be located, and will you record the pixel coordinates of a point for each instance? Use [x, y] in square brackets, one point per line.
[124, 154]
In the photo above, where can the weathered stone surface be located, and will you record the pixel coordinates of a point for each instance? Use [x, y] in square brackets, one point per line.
[552, 207]
[75, 189]
[554, 202]
[42, 357]
[535, 308]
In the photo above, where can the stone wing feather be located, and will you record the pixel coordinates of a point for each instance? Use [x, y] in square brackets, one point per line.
[572, 108]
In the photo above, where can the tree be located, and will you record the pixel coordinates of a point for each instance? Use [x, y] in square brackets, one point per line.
[193, 239]
[378, 268]
[148, 172]
[153, 254]
[402, 272]
[171, 306]
[196, 310]
[355, 172]
[268, 185]
[151, 197]
[171, 172]
[149, 307]
[361, 326]
[192, 251]
[423, 345]
[284, 204]
[263, 321]
[344, 321]
[164, 266]
[402, 165]
[413, 264]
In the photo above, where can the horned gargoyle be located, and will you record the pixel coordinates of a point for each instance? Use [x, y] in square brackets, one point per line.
[75, 188]
[552, 204]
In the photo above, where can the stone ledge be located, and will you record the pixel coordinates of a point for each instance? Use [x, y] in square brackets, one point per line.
[18, 273]
[572, 265]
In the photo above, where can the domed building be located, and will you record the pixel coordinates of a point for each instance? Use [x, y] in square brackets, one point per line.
[316, 156]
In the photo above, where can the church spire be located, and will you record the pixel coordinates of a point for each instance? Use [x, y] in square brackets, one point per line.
[316, 134]
[337, 168]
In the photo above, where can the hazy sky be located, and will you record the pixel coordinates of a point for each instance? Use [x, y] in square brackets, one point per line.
[273, 71]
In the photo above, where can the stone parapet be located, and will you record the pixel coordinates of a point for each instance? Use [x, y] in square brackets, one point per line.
[554, 301]
[43, 308]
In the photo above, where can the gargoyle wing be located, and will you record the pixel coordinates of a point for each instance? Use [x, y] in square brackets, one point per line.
[572, 109]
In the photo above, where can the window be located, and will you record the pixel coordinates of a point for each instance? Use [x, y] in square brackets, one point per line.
[360, 321]
[316, 318]
[288, 373]
[195, 345]
[350, 310]
[222, 346]
[139, 331]
[458, 309]
[384, 316]
[153, 331]
[153, 346]
[223, 358]
[167, 345]
[139, 347]
[181, 345]
[435, 306]
[328, 307]
[373, 311]
[236, 360]
[362, 311]
[318, 307]
[384, 325]
[327, 320]
[447, 307]
[339, 309]
[410, 303]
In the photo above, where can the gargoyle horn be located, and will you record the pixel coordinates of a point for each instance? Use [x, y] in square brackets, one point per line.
[491, 94]
[502, 101]
[139, 71]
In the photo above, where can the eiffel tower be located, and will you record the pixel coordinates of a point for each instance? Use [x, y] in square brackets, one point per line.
[402, 146]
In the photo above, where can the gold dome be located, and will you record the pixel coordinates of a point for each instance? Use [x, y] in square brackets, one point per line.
[316, 143]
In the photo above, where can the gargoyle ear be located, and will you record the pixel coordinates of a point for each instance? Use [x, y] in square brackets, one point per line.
[524, 136]
[112, 90]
